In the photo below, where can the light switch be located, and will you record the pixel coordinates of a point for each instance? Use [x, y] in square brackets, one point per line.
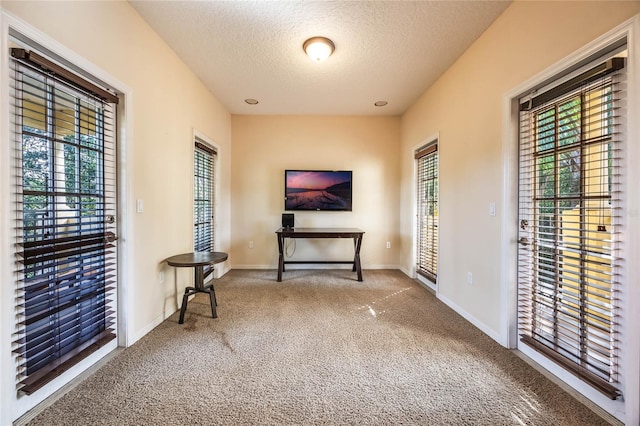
[140, 205]
[492, 209]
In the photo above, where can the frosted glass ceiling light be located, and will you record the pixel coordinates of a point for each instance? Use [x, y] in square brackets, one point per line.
[318, 48]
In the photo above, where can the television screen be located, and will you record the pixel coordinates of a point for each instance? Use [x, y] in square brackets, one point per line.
[317, 190]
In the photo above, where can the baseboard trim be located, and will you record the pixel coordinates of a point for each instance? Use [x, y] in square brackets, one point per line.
[473, 320]
[315, 266]
[150, 326]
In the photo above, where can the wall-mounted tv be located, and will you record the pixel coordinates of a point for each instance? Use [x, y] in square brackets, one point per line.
[318, 190]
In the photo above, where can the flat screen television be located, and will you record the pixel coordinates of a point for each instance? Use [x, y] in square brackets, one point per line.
[320, 190]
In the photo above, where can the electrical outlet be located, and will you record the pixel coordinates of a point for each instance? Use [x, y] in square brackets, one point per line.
[250, 244]
[388, 244]
[469, 278]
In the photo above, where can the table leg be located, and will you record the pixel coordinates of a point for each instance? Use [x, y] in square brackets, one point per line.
[356, 259]
[280, 257]
[183, 308]
[355, 251]
[212, 297]
[198, 278]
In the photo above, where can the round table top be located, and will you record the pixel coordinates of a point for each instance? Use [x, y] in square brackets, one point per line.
[197, 259]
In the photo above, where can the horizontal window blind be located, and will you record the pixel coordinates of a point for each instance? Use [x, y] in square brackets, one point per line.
[203, 202]
[569, 224]
[427, 196]
[64, 196]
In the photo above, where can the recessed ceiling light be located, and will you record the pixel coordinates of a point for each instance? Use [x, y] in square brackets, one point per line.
[251, 101]
[381, 103]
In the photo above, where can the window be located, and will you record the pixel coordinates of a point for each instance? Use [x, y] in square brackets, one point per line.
[569, 221]
[65, 206]
[203, 197]
[427, 159]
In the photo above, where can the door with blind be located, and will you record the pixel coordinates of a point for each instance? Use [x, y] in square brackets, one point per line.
[64, 159]
[204, 157]
[427, 196]
[570, 220]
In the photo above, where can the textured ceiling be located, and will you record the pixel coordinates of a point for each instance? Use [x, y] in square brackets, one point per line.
[385, 50]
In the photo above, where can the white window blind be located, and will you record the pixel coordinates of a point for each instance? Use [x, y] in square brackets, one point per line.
[569, 224]
[427, 184]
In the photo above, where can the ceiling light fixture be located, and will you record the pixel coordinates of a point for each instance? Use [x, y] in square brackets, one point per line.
[251, 101]
[319, 48]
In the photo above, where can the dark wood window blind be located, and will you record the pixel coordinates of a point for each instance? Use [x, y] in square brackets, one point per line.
[203, 197]
[64, 159]
[570, 219]
[427, 184]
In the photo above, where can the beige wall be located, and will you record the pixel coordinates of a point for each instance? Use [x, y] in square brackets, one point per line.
[465, 107]
[264, 146]
[166, 103]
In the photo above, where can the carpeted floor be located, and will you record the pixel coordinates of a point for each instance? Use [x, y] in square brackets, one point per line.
[317, 348]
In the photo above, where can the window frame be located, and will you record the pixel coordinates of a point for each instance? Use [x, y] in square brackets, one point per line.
[76, 241]
[203, 147]
[207, 145]
[625, 34]
[427, 153]
[567, 267]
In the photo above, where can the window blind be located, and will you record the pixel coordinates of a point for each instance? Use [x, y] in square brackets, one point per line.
[203, 202]
[427, 196]
[64, 161]
[570, 219]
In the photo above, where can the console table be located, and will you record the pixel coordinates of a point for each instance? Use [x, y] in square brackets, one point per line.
[354, 233]
[198, 261]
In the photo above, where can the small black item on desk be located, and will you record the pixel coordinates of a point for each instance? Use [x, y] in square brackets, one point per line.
[287, 220]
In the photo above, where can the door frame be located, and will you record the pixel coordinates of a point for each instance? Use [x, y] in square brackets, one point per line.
[629, 409]
[433, 285]
[435, 137]
[13, 407]
[200, 136]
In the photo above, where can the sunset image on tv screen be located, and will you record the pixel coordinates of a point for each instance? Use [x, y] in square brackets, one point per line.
[317, 190]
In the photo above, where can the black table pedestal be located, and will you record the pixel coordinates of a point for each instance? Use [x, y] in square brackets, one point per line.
[190, 291]
[198, 261]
